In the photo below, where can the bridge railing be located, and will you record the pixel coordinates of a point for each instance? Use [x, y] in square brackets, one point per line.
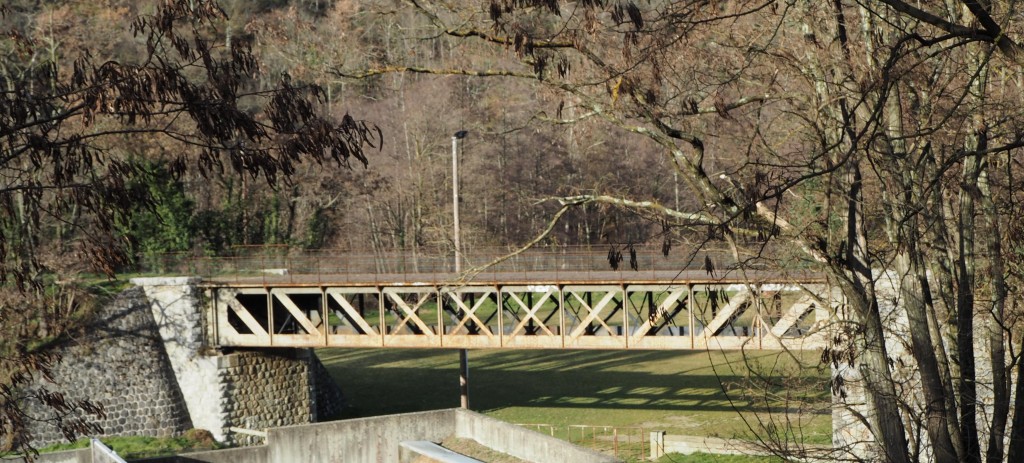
[576, 261]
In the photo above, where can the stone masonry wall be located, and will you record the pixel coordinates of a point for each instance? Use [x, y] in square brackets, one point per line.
[122, 365]
[265, 389]
[272, 388]
[330, 402]
[146, 362]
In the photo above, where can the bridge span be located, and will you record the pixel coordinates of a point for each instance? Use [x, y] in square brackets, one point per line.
[656, 310]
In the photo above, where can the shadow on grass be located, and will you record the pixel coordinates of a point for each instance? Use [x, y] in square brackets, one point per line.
[397, 381]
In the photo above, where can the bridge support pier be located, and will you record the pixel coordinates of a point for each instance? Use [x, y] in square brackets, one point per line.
[851, 438]
[464, 378]
[252, 388]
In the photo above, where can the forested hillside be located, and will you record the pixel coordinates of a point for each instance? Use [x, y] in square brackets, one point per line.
[512, 160]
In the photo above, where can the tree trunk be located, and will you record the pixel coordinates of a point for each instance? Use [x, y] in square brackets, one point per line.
[912, 297]
[965, 313]
[942, 270]
[886, 422]
[996, 333]
[1015, 452]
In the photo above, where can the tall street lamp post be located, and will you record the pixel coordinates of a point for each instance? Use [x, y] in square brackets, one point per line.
[457, 240]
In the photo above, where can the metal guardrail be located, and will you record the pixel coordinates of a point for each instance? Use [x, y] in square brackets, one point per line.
[248, 432]
[620, 441]
[100, 453]
[576, 262]
[617, 440]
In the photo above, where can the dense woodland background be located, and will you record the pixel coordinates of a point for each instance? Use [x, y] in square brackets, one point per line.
[511, 161]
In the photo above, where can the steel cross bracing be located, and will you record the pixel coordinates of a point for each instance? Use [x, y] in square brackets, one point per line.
[659, 316]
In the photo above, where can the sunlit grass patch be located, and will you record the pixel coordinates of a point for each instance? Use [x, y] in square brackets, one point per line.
[700, 457]
[731, 395]
[131, 447]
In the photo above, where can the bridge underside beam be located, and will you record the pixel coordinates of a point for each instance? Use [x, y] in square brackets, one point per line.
[540, 316]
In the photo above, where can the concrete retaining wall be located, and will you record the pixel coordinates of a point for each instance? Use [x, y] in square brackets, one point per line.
[378, 439]
[358, 440]
[256, 454]
[83, 455]
[522, 443]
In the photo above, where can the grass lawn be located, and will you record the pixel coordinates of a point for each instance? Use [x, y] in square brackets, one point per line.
[130, 447]
[683, 393]
[708, 458]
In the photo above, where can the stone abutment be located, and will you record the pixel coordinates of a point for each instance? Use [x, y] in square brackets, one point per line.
[146, 362]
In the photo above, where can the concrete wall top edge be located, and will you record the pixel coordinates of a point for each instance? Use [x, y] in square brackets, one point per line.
[254, 454]
[567, 450]
[63, 456]
[411, 415]
[165, 281]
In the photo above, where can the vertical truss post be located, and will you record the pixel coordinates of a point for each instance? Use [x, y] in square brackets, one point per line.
[211, 335]
[561, 313]
[439, 322]
[690, 304]
[464, 378]
[270, 315]
[758, 323]
[626, 316]
[382, 324]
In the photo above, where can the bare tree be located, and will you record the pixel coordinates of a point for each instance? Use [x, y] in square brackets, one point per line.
[874, 136]
[62, 123]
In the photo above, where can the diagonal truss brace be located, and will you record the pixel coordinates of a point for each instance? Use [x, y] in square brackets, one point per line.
[530, 312]
[410, 314]
[593, 313]
[467, 313]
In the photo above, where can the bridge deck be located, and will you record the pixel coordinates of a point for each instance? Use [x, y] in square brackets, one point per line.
[550, 310]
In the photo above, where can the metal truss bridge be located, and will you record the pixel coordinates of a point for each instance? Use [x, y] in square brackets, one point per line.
[655, 310]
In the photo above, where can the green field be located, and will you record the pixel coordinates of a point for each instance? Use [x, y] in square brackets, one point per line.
[683, 393]
[130, 447]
